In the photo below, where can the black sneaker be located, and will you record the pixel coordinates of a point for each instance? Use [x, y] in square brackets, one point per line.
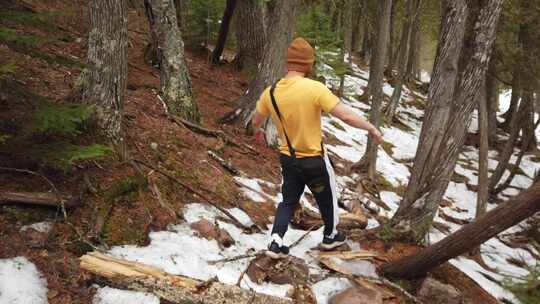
[276, 252]
[331, 243]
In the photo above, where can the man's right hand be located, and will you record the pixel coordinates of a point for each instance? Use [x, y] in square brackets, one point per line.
[376, 135]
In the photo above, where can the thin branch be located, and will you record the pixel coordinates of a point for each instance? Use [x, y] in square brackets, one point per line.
[191, 189]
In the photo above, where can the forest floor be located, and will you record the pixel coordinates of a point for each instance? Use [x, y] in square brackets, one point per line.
[126, 216]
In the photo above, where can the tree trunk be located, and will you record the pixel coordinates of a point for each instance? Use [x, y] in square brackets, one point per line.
[448, 116]
[406, 35]
[390, 60]
[375, 82]
[103, 83]
[181, 7]
[172, 288]
[366, 33]
[528, 128]
[506, 154]
[492, 99]
[483, 181]
[174, 78]
[223, 31]
[468, 237]
[414, 48]
[250, 35]
[355, 34]
[272, 67]
[526, 141]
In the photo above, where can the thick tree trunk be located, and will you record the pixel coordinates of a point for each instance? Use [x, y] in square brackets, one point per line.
[223, 31]
[103, 84]
[469, 236]
[375, 82]
[406, 36]
[172, 288]
[447, 118]
[528, 127]
[174, 79]
[250, 35]
[181, 7]
[272, 67]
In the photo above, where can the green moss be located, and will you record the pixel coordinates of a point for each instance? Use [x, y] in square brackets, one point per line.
[124, 189]
[387, 233]
[384, 184]
[122, 230]
[388, 147]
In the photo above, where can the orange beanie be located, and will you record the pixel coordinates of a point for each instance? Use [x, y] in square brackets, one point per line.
[300, 56]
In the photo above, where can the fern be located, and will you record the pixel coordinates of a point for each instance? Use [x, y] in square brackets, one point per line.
[64, 156]
[527, 288]
[7, 69]
[8, 35]
[65, 120]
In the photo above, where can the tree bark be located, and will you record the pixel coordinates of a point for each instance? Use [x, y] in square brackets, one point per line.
[250, 35]
[483, 180]
[448, 116]
[172, 288]
[366, 33]
[223, 31]
[35, 198]
[506, 154]
[413, 50]
[272, 67]
[375, 82]
[103, 83]
[391, 29]
[492, 100]
[406, 36]
[526, 141]
[174, 77]
[469, 236]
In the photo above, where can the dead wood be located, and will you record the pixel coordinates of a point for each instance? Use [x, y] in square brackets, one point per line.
[225, 164]
[213, 133]
[35, 198]
[172, 288]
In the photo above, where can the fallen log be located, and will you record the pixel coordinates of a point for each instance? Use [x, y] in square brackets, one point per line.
[172, 288]
[34, 198]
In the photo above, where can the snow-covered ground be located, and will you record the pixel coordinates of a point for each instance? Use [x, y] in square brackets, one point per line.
[180, 251]
[21, 282]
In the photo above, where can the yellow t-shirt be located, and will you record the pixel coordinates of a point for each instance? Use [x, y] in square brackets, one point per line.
[300, 101]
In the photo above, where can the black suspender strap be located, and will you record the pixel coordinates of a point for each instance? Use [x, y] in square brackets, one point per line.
[276, 108]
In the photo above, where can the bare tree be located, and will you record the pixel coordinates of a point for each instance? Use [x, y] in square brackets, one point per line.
[175, 82]
[508, 214]
[103, 83]
[250, 35]
[375, 93]
[223, 31]
[272, 67]
[448, 116]
[483, 180]
[403, 56]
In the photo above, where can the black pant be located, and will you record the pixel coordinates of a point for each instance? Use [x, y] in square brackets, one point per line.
[317, 173]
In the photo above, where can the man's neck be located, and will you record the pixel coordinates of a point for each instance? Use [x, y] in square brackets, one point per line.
[291, 74]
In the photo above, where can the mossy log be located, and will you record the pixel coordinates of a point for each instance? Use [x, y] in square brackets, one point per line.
[173, 288]
[35, 198]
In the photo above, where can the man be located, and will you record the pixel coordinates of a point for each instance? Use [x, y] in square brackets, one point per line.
[295, 104]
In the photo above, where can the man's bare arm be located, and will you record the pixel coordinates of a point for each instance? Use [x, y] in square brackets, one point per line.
[347, 115]
[256, 122]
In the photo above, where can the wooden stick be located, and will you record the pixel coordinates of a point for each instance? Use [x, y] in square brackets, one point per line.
[225, 164]
[33, 198]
